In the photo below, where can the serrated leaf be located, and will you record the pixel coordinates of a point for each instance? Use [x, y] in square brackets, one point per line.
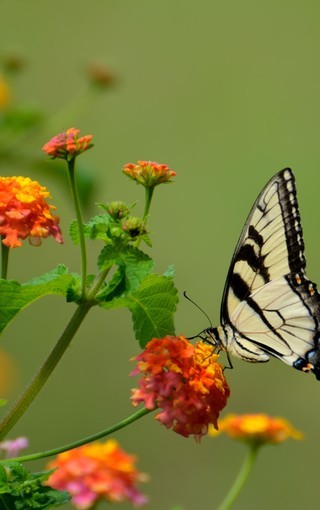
[107, 257]
[22, 490]
[74, 232]
[14, 296]
[152, 306]
[114, 288]
[133, 267]
[96, 228]
[137, 265]
[74, 290]
[3, 480]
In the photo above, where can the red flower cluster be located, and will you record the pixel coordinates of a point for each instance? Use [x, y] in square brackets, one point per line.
[67, 145]
[148, 173]
[96, 472]
[24, 212]
[183, 380]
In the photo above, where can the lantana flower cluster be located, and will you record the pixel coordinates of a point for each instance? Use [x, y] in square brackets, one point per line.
[257, 428]
[96, 472]
[185, 381]
[24, 212]
[68, 144]
[148, 173]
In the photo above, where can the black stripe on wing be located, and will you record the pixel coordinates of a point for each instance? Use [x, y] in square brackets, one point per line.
[291, 217]
[285, 324]
[271, 243]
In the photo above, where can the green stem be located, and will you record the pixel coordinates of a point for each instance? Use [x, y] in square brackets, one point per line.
[49, 453]
[76, 202]
[98, 281]
[148, 195]
[4, 260]
[40, 378]
[241, 478]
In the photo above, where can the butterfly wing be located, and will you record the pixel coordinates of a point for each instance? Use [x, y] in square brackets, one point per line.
[270, 245]
[268, 302]
[281, 319]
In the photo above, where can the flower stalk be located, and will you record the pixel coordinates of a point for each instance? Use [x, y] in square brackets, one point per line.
[40, 378]
[76, 203]
[148, 198]
[89, 439]
[242, 477]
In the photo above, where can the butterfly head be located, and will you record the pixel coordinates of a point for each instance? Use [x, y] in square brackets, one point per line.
[214, 337]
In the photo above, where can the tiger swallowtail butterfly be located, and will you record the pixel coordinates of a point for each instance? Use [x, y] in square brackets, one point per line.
[269, 307]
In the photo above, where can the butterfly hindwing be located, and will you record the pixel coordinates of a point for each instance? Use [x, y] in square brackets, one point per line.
[281, 318]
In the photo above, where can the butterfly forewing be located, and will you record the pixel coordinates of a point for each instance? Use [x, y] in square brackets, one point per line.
[270, 244]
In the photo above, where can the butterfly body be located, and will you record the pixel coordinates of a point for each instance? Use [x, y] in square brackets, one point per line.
[269, 307]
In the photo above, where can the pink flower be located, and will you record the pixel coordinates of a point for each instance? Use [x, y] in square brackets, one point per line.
[12, 447]
[95, 472]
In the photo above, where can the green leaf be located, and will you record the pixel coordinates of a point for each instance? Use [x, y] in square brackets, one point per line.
[22, 490]
[96, 228]
[133, 267]
[74, 291]
[152, 306]
[74, 232]
[14, 297]
[107, 257]
[114, 288]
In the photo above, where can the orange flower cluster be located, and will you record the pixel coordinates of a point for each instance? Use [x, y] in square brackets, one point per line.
[24, 212]
[185, 381]
[257, 428]
[148, 173]
[95, 472]
[67, 145]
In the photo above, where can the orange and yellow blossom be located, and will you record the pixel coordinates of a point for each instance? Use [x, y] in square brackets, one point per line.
[96, 472]
[182, 380]
[67, 145]
[148, 173]
[24, 212]
[257, 428]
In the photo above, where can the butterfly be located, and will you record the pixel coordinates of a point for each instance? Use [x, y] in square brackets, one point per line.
[269, 307]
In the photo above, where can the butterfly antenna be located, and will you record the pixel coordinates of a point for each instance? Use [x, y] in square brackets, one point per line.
[199, 307]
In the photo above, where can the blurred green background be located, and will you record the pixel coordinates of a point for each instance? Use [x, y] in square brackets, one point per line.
[227, 94]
